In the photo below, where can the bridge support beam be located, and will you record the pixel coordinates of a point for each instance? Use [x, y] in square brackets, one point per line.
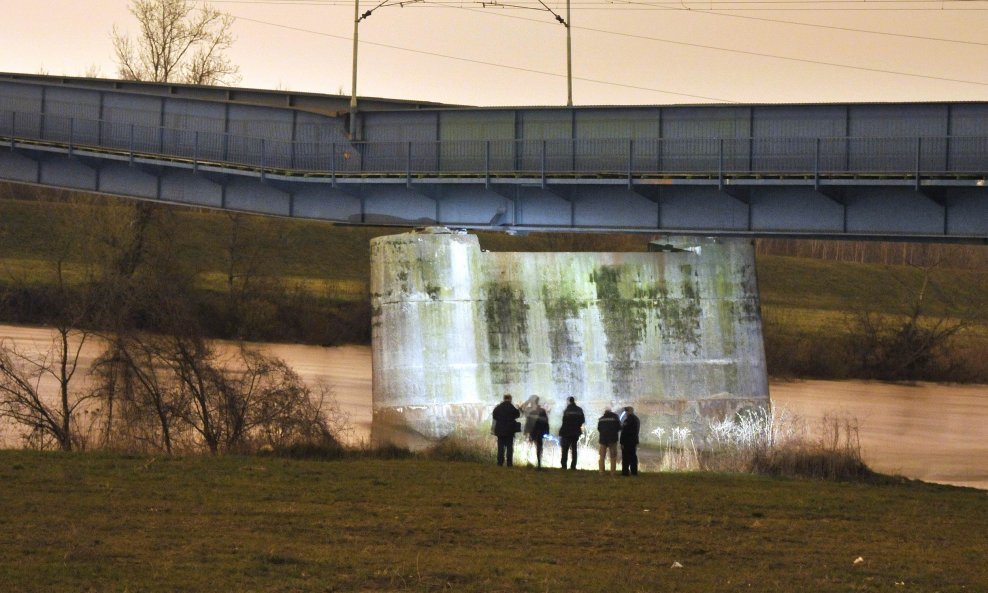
[945, 209]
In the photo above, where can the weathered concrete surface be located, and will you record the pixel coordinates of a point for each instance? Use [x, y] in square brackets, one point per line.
[675, 333]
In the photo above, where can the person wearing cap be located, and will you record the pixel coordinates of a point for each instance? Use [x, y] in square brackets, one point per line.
[571, 430]
[608, 428]
[629, 442]
[506, 424]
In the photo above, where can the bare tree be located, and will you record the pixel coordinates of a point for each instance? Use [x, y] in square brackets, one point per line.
[912, 346]
[22, 399]
[251, 255]
[269, 403]
[233, 403]
[69, 307]
[145, 397]
[177, 42]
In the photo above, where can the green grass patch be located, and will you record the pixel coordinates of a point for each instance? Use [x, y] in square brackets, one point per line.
[90, 522]
[802, 283]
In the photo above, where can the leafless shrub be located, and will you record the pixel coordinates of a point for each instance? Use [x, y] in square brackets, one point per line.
[460, 448]
[778, 443]
[48, 422]
[917, 345]
[168, 386]
[141, 401]
[834, 455]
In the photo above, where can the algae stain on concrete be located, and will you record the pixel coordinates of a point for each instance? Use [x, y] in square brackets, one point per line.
[682, 316]
[625, 321]
[563, 317]
[506, 318]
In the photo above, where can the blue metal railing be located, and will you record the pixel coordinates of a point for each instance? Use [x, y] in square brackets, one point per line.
[577, 157]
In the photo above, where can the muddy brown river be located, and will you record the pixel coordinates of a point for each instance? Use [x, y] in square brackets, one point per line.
[932, 432]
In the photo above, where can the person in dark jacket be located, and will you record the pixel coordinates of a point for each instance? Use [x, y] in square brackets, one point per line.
[505, 426]
[630, 428]
[608, 428]
[530, 410]
[571, 429]
[540, 428]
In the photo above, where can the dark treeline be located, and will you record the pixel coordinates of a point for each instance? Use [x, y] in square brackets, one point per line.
[118, 275]
[963, 257]
[919, 317]
[237, 274]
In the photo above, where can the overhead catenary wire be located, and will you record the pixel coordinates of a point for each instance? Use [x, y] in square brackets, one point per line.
[668, 3]
[492, 64]
[811, 25]
[632, 36]
[943, 6]
[754, 53]
[470, 6]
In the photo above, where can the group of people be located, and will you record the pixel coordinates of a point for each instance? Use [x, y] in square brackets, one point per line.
[611, 430]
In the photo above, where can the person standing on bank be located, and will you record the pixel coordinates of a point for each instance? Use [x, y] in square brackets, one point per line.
[538, 430]
[629, 442]
[505, 426]
[530, 409]
[571, 429]
[608, 427]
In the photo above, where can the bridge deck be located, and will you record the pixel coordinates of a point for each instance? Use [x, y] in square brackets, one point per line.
[901, 171]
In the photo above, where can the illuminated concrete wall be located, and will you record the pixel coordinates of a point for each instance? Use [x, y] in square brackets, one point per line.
[675, 333]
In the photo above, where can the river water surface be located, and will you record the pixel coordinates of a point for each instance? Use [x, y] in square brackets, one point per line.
[932, 432]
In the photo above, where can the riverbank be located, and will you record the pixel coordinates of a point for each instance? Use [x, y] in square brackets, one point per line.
[102, 522]
[931, 432]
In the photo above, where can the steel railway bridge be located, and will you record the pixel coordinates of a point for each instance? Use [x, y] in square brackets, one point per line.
[907, 170]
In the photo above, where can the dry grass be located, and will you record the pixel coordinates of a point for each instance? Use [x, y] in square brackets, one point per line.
[98, 523]
[835, 454]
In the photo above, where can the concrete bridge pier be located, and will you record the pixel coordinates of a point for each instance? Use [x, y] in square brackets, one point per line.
[675, 332]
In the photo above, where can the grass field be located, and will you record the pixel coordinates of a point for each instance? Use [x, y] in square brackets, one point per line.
[94, 523]
[332, 256]
[811, 284]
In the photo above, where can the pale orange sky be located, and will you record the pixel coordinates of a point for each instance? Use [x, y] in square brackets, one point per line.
[651, 52]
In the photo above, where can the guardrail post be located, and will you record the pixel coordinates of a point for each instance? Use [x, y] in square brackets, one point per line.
[332, 162]
[262, 160]
[631, 160]
[13, 129]
[572, 147]
[720, 164]
[946, 153]
[543, 163]
[816, 166]
[487, 164]
[71, 133]
[919, 159]
[132, 144]
[408, 165]
[195, 152]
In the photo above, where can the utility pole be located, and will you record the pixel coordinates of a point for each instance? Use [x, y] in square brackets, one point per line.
[569, 60]
[569, 47]
[353, 82]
